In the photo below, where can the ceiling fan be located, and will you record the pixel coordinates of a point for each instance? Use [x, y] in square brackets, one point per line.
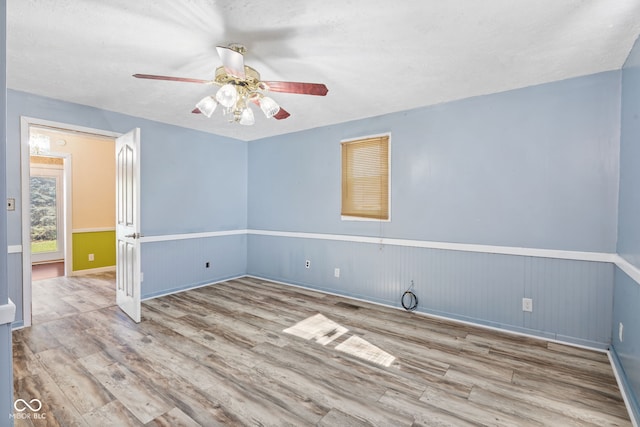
[240, 85]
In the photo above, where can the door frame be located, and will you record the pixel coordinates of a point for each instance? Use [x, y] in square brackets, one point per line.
[25, 124]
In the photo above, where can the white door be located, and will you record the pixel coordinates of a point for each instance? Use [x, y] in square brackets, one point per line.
[128, 224]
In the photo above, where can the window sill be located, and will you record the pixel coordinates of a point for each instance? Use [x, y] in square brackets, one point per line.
[358, 218]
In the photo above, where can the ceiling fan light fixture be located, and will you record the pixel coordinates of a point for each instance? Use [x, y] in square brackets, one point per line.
[247, 117]
[207, 105]
[227, 95]
[269, 107]
[240, 85]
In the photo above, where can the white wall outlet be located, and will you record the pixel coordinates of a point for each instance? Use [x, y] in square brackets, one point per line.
[11, 204]
[91, 257]
[336, 272]
[527, 304]
[307, 264]
[620, 331]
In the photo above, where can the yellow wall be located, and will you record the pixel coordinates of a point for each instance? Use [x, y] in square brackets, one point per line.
[101, 244]
[93, 177]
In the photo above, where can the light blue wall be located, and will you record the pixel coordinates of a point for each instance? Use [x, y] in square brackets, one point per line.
[177, 265]
[626, 310]
[534, 168]
[3, 133]
[6, 376]
[6, 370]
[629, 209]
[627, 291]
[190, 182]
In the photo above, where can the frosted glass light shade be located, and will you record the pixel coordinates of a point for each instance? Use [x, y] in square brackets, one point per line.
[207, 105]
[227, 95]
[247, 117]
[268, 106]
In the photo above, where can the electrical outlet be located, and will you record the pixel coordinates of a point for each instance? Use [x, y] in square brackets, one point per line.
[307, 264]
[336, 272]
[527, 304]
[620, 331]
[207, 264]
[92, 257]
[11, 204]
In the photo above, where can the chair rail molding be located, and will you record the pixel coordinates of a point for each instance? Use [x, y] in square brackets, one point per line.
[7, 312]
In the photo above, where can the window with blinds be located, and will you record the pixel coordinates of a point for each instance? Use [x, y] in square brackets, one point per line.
[365, 178]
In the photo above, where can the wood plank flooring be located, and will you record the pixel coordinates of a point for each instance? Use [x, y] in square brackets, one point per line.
[220, 356]
[56, 297]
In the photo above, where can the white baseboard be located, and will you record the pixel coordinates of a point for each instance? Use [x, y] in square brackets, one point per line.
[93, 271]
[626, 394]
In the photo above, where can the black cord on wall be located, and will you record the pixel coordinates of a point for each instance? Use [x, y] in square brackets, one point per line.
[409, 300]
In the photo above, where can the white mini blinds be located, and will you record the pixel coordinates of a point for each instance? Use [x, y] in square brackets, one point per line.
[365, 178]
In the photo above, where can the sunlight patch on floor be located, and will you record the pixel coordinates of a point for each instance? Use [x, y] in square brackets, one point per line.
[323, 331]
[317, 328]
[363, 349]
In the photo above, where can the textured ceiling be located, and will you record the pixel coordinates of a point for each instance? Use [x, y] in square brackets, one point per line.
[374, 56]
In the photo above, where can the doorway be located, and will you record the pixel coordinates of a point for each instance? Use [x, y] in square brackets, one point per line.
[48, 222]
[54, 234]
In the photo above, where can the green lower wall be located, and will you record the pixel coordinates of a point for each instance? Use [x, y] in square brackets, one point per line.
[102, 244]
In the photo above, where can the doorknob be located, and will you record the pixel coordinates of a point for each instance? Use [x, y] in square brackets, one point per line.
[134, 235]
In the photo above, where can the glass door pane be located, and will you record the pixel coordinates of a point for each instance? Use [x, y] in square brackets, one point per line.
[47, 226]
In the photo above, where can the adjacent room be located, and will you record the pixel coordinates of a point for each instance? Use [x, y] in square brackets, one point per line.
[335, 213]
[72, 195]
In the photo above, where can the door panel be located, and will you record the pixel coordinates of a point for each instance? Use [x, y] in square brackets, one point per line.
[128, 224]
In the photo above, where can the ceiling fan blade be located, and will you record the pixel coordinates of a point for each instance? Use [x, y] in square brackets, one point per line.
[318, 89]
[196, 111]
[282, 114]
[175, 79]
[233, 61]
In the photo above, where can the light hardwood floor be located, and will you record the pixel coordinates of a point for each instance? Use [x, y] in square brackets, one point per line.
[57, 297]
[251, 352]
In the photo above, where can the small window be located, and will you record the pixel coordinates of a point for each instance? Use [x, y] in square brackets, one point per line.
[365, 178]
